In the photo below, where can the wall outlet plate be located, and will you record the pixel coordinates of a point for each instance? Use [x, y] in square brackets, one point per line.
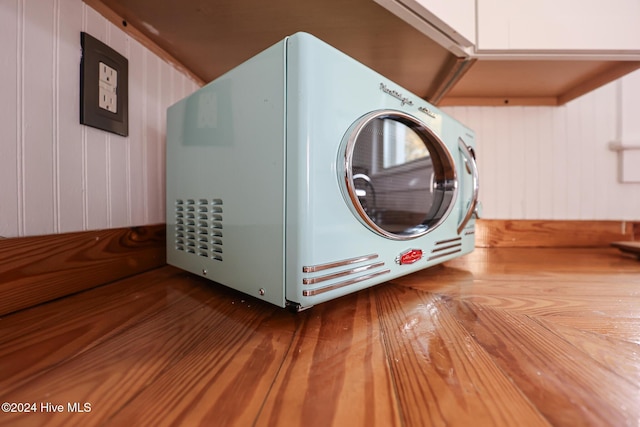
[104, 87]
[108, 88]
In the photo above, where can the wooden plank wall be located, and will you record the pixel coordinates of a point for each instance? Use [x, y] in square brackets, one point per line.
[37, 269]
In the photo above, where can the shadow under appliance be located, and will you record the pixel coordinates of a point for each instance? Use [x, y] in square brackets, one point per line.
[302, 175]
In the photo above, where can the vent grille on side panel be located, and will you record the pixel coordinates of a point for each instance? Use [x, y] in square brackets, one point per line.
[199, 227]
[446, 247]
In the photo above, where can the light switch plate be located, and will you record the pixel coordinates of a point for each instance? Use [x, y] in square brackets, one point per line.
[104, 87]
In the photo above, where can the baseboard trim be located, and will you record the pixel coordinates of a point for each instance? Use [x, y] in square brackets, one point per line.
[38, 269]
[554, 233]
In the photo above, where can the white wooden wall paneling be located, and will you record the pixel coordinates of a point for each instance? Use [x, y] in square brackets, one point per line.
[137, 165]
[38, 172]
[117, 147]
[97, 148]
[57, 175]
[554, 162]
[11, 35]
[153, 137]
[70, 155]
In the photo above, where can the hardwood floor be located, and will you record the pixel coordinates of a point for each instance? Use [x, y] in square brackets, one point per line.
[503, 336]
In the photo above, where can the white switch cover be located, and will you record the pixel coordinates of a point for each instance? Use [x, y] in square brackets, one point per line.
[108, 91]
[628, 159]
[629, 165]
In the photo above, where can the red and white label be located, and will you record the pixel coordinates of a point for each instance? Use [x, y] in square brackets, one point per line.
[409, 257]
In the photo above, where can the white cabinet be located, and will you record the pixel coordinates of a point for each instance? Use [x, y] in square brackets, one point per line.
[451, 23]
[566, 26]
[455, 17]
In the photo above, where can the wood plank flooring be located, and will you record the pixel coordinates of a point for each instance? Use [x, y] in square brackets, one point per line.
[500, 337]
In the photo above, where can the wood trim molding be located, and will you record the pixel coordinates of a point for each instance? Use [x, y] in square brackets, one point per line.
[492, 101]
[614, 72]
[38, 269]
[553, 233]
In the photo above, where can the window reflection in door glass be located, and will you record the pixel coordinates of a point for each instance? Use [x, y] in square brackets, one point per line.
[400, 144]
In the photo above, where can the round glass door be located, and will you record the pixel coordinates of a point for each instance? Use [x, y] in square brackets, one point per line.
[397, 176]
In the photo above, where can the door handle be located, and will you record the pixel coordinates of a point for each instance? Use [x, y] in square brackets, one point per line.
[470, 164]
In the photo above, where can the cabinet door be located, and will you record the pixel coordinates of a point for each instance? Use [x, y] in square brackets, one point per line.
[458, 16]
[456, 19]
[559, 25]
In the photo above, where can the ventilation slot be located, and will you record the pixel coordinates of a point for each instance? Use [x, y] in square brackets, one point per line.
[199, 227]
[445, 248]
[341, 273]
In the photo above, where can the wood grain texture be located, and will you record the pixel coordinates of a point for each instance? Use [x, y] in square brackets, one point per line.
[499, 337]
[441, 375]
[563, 381]
[552, 233]
[42, 268]
[613, 72]
[141, 38]
[112, 308]
[229, 34]
[632, 248]
[335, 370]
[494, 101]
